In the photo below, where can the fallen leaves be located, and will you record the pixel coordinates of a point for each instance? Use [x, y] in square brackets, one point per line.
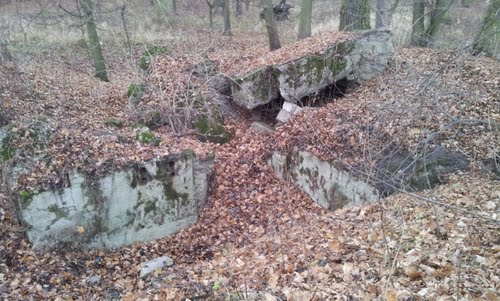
[259, 236]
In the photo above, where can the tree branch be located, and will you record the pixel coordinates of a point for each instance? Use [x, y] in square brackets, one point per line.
[69, 12]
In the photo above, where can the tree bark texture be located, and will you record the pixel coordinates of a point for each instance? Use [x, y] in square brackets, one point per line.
[227, 18]
[355, 15]
[238, 8]
[488, 39]
[382, 14]
[95, 46]
[305, 19]
[272, 29]
[418, 26]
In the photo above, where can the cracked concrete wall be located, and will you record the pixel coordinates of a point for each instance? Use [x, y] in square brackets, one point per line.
[141, 202]
[329, 186]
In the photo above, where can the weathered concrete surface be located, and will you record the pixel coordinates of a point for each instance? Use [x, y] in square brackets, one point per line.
[255, 89]
[261, 128]
[153, 265]
[288, 110]
[138, 203]
[357, 60]
[327, 185]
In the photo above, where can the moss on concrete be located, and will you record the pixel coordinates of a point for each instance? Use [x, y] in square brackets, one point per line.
[314, 64]
[337, 66]
[25, 198]
[148, 137]
[59, 212]
[211, 130]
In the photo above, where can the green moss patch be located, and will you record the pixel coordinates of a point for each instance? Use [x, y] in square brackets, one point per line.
[134, 90]
[172, 194]
[147, 55]
[25, 198]
[148, 137]
[114, 122]
[211, 130]
[7, 150]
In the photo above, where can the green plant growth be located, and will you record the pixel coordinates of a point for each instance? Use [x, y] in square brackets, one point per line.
[25, 198]
[7, 150]
[148, 137]
[114, 122]
[134, 90]
[211, 130]
[149, 54]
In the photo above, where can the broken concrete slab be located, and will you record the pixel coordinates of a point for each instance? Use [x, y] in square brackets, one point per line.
[329, 186]
[149, 267]
[288, 110]
[144, 201]
[356, 60]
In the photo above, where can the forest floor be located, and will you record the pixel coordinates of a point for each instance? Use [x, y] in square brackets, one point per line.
[260, 238]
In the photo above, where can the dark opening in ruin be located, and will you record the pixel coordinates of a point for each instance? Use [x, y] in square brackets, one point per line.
[328, 94]
[268, 112]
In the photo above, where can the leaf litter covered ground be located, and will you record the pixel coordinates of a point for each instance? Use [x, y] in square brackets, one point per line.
[259, 238]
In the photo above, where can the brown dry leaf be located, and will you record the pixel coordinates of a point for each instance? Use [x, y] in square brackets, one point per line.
[390, 295]
[413, 273]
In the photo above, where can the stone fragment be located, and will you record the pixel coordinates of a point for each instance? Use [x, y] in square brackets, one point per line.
[289, 109]
[94, 280]
[151, 266]
[261, 128]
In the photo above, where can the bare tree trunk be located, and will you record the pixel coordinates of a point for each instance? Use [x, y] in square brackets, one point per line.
[227, 18]
[438, 15]
[9, 68]
[272, 29]
[305, 19]
[174, 7]
[382, 14]
[418, 27]
[125, 29]
[488, 39]
[210, 13]
[95, 46]
[355, 15]
[239, 8]
[162, 7]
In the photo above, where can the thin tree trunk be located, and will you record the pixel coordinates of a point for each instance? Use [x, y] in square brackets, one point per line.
[488, 39]
[355, 15]
[418, 27]
[305, 19]
[394, 6]
[239, 8]
[227, 18]
[174, 7]
[7, 66]
[272, 29]
[210, 13]
[382, 14]
[125, 29]
[95, 46]
[162, 7]
[438, 15]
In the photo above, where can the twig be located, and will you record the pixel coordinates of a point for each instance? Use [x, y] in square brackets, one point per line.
[68, 12]
[492, 125]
